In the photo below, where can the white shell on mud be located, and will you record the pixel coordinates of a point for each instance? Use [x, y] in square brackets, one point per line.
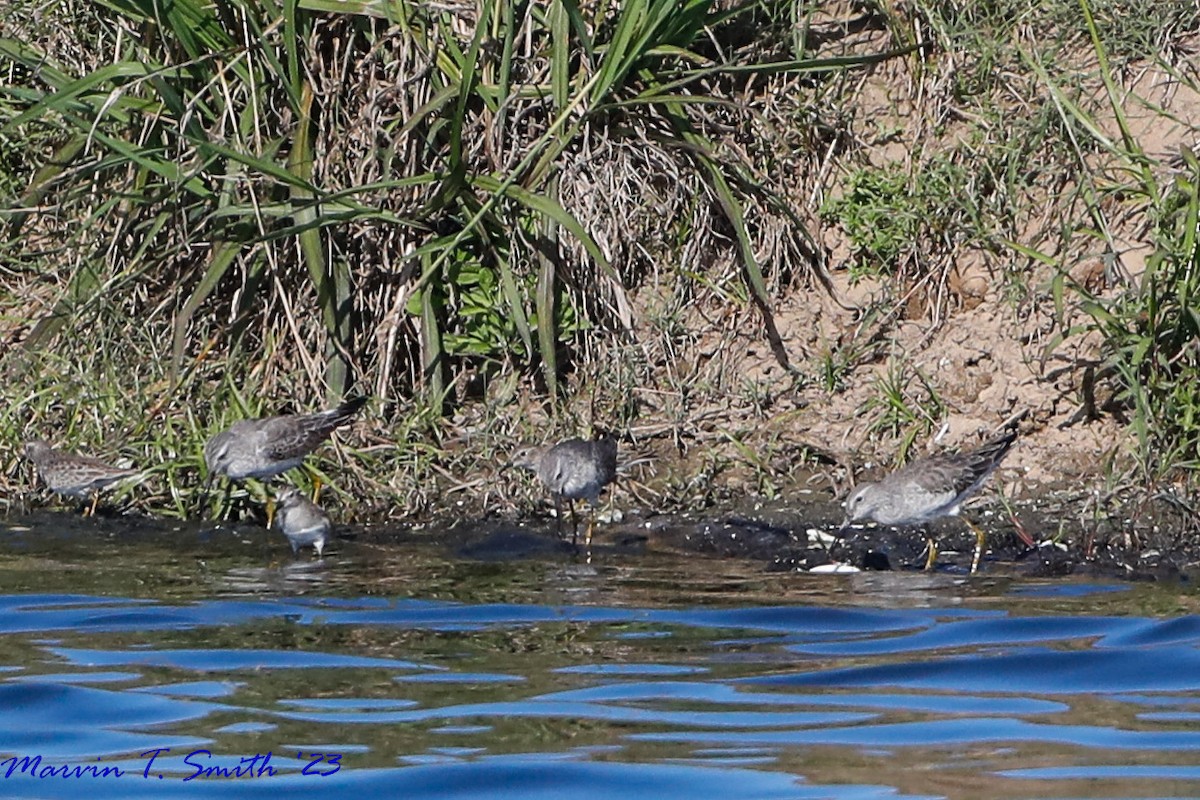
[839, 569]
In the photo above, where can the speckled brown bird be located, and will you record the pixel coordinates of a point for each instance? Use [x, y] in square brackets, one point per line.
[576, 469]
[74, 475]
[266, 447]
[930, 488]
[302, 521]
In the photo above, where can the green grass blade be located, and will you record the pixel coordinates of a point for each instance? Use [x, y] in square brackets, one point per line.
[432, 352]
[220, 259]
[516, 304]
[561, 54]
[546, 307]
[332, 280]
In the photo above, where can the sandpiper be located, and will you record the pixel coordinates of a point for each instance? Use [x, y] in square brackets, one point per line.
[302, 521]
[931, 488]
[264, 448]
[576, 469]
[74, 475]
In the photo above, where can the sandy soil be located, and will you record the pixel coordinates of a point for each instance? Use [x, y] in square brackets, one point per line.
[988, 352]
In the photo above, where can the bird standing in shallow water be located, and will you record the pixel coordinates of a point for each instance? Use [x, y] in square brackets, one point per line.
[302, 521]
[74, 475]
[931, 488]
[264, 448]
[576, 469]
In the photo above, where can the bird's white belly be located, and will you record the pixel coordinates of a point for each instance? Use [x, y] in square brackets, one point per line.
[310, 535]
[917, 507]
[253, 468]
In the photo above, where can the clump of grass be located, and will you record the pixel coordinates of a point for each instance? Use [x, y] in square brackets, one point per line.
[260, 205]
[1150, 333]
[905, 406]
[1147, 323]
[902, 221]
[259, 183]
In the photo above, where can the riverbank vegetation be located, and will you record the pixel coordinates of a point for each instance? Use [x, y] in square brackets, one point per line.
[753, 237]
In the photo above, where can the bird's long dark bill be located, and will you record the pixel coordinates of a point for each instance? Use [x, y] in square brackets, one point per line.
[205, 490]
[842, 530]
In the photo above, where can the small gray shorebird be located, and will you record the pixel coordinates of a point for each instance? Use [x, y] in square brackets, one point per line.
[266, 447]
[930, 488]
[74, 475]
[302, 521]
[576, 469]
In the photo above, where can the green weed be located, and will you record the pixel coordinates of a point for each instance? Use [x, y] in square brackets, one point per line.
[905, 406]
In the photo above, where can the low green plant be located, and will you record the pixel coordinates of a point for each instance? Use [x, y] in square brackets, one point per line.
[905, 406]
[877, 211]
[894, 218]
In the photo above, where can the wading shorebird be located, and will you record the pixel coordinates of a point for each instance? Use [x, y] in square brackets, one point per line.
[266, 447]
[302, 521]
[576, 469]
[930, 488]
[74, 475]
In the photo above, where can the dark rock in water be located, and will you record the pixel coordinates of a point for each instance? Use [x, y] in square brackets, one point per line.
[508, 544]
[630, 542]
[1047, 562]
[875, 560]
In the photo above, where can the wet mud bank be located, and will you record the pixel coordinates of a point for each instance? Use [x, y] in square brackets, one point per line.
[1031, 541]
[1035, 540]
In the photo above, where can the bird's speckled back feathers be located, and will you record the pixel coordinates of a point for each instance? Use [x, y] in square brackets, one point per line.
[574, 469]
[963, 472]
[930, 487]
[72, 474]
[269, 446]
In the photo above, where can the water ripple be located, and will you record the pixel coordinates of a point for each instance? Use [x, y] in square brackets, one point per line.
[1031, 670]
[626, 691]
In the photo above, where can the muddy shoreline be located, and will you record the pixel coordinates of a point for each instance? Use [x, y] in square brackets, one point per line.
[801, 539]
[779, 536]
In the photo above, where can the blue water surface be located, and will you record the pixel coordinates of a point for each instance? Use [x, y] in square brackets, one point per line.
[652, 679]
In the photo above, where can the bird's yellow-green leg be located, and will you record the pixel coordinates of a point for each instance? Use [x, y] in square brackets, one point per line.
[202, 498]
[91, 512]
[931, 546]
[980, 541]
[316, 484]
[587, 539]
[260, 492]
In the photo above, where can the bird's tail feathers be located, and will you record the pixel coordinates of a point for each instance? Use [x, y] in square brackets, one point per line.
[347, 409]
[351, 405]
